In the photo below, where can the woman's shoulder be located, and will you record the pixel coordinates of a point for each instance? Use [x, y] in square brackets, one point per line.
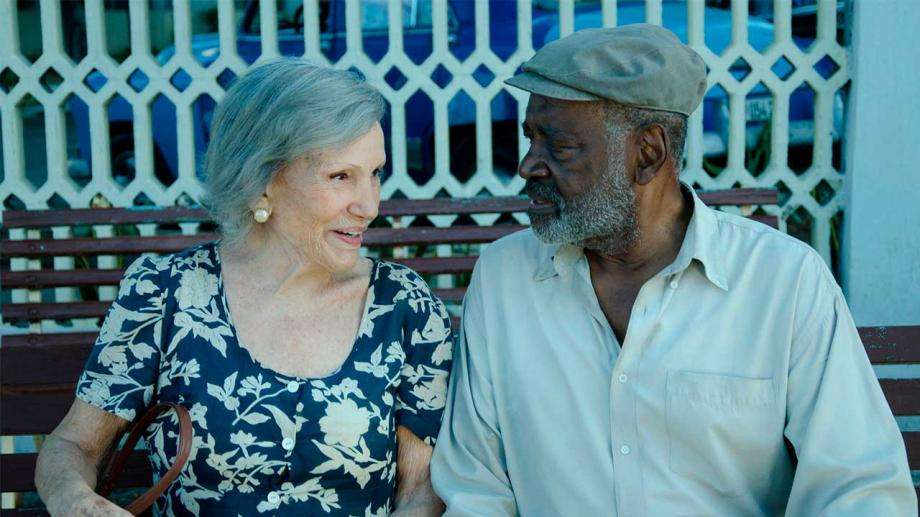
[401, 281]
[152, 274]
[200, 256]
[195, 257]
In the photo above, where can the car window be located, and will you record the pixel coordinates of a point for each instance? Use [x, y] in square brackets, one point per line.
[289, 15]
[416, 14]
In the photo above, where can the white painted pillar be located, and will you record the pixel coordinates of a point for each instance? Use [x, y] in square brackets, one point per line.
[881, 237]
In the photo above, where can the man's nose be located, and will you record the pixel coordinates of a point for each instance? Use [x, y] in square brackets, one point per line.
[531, 167]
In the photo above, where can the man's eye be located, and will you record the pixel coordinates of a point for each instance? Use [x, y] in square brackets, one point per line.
[339, 176]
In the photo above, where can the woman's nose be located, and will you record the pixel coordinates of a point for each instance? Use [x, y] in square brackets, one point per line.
[367, 201]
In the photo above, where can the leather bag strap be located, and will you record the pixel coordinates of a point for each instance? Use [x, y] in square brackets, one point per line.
[117, 463]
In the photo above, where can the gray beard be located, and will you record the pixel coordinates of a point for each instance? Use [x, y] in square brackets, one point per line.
[602, 219]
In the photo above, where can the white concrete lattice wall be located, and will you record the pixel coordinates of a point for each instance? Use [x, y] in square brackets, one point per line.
[54, 60]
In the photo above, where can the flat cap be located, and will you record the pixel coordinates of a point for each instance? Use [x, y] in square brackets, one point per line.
[639, 65]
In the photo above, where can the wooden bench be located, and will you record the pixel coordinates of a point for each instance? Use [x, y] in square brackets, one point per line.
[60, 270]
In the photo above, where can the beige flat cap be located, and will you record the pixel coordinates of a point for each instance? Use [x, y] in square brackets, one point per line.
[639, 65]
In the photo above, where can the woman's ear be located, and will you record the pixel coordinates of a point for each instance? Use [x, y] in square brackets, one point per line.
[652, 153]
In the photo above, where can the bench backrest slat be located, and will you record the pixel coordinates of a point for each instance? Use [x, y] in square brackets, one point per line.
[94, 277]
[82, 246]
[18, 470]
[15, 312]
[388, 208]
[892, 345]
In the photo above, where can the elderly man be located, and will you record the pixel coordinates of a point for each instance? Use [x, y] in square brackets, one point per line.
[638, 353]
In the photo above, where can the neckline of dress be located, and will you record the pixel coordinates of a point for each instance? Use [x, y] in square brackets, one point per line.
[349, 359]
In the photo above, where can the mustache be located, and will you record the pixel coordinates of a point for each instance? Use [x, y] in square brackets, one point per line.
[546, 191]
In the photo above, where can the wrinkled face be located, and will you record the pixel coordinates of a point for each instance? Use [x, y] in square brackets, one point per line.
[577, 177]
[321, 207]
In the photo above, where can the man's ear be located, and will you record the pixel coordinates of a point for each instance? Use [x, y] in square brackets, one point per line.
[652, 153]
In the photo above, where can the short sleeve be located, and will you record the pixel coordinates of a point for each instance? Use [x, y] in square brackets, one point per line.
[428, 344]
[123, 366]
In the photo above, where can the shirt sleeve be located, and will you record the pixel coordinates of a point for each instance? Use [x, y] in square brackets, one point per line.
[851, 456]
[423, 386]
[123, 366]
[468, 468]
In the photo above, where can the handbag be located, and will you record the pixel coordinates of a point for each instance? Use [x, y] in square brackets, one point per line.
[117, 463]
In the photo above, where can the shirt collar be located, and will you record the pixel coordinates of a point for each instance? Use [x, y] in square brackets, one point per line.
[700, 243]
[558, 259]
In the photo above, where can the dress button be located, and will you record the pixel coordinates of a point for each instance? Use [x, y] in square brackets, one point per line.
[287, 444]
[274, 498]
[293, 386]
[623, 378]
[624, 449]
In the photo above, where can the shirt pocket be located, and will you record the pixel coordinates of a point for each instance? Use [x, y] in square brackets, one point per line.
[720, 430]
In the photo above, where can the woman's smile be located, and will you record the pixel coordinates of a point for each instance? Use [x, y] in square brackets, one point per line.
[350, 236]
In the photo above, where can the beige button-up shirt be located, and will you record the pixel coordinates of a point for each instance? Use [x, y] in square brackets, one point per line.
[742, 388]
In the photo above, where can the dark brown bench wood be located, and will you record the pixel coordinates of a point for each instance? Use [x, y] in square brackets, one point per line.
[38, 370]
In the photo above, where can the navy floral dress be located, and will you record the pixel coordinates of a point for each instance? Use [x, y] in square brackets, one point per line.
[267, 443]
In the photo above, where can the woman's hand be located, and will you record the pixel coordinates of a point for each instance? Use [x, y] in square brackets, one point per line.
[68, 462]
[414, 494]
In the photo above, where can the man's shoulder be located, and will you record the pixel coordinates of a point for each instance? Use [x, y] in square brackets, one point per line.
[746, 234]
[520, 251]
[764, 252]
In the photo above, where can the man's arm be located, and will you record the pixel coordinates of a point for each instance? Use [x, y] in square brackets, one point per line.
[468, 469]
[851, 457]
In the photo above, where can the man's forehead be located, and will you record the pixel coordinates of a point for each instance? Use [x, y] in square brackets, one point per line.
[562, 115]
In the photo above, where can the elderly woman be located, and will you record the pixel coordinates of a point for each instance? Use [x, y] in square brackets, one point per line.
[315, 378]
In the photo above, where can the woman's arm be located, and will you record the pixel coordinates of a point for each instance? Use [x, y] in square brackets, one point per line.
[414, 495]
[69, 461]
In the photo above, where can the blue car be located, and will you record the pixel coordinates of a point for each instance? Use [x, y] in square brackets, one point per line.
[417, 44]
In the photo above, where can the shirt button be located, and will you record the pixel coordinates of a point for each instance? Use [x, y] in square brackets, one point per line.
[674, 284]
[274, 498]
[293, 386]
[624, 449]
[287, 443]
[623, 378]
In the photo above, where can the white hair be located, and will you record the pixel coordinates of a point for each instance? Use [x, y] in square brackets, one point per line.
[280, 111]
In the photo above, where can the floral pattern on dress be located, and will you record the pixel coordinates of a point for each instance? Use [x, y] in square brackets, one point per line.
[267, 443]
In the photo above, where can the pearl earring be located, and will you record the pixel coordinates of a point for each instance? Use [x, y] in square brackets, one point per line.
[260, 215]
